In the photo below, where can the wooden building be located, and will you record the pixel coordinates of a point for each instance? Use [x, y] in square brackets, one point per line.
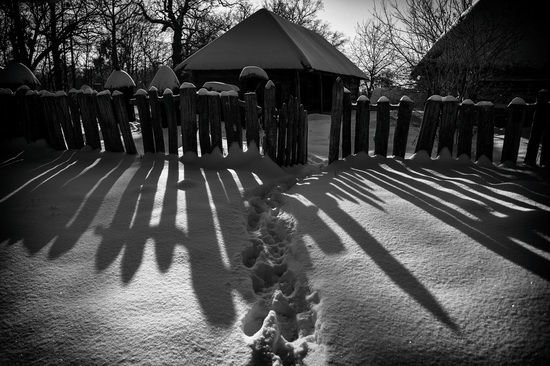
[300, 62]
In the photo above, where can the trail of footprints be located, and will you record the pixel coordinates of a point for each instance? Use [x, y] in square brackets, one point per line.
[282, 321]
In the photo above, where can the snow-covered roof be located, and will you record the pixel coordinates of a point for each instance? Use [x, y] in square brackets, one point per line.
[119, 79]
[165, 78]
[268, 41]
[16, 74]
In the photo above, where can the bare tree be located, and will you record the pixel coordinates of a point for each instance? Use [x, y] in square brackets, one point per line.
[372, 53]
[304, 13]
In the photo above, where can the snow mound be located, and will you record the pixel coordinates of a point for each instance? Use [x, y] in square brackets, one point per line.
[16, 74]
[165, 78]
[119, 79]
[250, 71]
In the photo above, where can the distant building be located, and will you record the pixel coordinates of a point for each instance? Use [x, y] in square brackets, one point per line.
[505, 44]
[299, 61]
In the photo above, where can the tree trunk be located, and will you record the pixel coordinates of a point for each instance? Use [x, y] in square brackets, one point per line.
[177, 56]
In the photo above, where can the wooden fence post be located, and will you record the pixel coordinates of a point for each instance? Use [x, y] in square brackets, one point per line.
[231, 113]
[429, 124]
[300, 134]
[270, 121]
[362, 118]
[485, 129]
[290, 119]
[204, 123]
[346, 123]
[295, 131]
[109, 126]
[335, 120]
[449, 112]
[401, 133]
[89, 118]
[75, 117]
[282, 133]
[171, 120]
[304, 138]
[23, 121]
[540, 119]
[514, 127]
[55, 136]
[5, 96]
[62, 112]
[382, 133]
[33, 113]
[465, 128]
[215, 120]
[156, 119]
[251, 118]
[145, 121]
[121, 114]
[188, 113]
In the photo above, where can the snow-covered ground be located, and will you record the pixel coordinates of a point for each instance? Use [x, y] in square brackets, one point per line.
[109, 258]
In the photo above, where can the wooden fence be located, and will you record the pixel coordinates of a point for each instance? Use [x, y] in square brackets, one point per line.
[453, 120]
[70, 121]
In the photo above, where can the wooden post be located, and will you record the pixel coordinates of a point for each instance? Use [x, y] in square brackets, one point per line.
[75, 117]
[204, 123]
[156, 119]
[282, 133]
[300, 135]
[485, 129]
[290, 119]
[540, 119]
[231, 111]
[304, 138]
[346, 123]
[270, 121]
[335, 121]
[295, 131]
[55, 136]
[362, 118]
[145, 121]
[251, 118]
[401, 133]
[514, 127]
[449, 112]
[5, 101]
[109, 126]
[23, 120]
[429, 124]
[121, 114]
[63, 116]
[215, 120]
[89, 118]
[465, 128]
[188, 112]
[382, 132]
[227, 119]
[171, 120]
[33, 113]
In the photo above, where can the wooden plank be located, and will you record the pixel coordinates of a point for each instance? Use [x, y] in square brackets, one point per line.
[89, 118]
[282, 134]
[382, 133]
[449, 113]
[401, 132]
[109, 126]
[121, 114]
[142, 104]
[540, 119]
[465, 128]
[156, 119]
[76, 118]
[55, 136]
[214, 110]
[295, 126]
[64, 117]
[346, 123]
[428, 128]
[270, 121]
[23, 117]
[514, 127]
[291, 111]
[171, 120]
[335, 120]
[188, 113]
[362, 118]
[304, 138]
[300, 135]
[485, 129]
[251, 119]
[204, 123]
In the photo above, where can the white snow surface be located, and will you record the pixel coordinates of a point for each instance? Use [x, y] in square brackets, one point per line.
[119, 79]
[109, 258]
[165, 78]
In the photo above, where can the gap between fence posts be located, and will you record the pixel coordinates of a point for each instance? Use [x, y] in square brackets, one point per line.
[540, 121]
[514, 127]
[121, 113]
[485, 129]
[188, 115]
[401, 133]
[335, 120]
[465, 128]
[428, 128]
[382, 132]
[362, 118]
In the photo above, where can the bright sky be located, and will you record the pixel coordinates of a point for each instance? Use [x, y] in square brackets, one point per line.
[343, 15]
